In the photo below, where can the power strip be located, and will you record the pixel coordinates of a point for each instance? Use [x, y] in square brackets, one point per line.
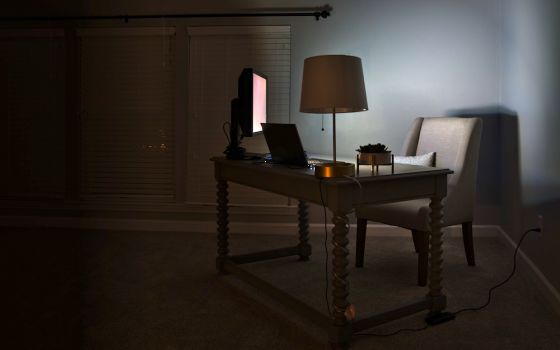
[440, 317]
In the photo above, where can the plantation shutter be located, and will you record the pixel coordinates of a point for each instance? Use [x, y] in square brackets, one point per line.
[217, 55]
[32, 96]
[128, 113]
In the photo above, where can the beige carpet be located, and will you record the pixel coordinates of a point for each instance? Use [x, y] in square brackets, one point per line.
[68, 289]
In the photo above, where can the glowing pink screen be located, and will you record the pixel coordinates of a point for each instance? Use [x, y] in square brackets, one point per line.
[259, 102]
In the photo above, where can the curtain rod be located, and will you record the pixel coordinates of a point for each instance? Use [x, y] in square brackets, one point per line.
[324, 13]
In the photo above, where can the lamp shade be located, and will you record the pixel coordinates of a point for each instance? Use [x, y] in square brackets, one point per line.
[333, 83]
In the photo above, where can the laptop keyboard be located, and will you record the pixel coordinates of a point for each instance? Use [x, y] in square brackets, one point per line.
[315, 161]
[311, 162]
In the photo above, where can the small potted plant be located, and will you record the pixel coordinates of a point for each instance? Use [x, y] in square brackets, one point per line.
[377, 154]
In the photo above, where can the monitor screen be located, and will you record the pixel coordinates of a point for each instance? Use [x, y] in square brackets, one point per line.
[259, 102]
[252, 101]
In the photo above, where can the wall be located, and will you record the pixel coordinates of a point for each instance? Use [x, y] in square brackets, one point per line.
[420, 58]
[530, 84]
[40, 8]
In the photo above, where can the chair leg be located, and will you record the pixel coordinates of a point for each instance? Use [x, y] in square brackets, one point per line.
[468, 242]
[416, 236]
[423, 248]
[360, 241]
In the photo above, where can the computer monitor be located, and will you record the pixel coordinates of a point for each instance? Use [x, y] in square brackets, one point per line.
[248, 110]
[252, 94]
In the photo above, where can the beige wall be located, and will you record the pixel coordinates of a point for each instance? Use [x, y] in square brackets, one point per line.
[530, 84]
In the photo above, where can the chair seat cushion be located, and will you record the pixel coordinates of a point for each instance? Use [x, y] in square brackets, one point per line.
[412, 214]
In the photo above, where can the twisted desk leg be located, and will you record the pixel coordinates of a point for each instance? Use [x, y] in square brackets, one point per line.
[436, 253]
[303, 219]
[223, 222]
[342, 327]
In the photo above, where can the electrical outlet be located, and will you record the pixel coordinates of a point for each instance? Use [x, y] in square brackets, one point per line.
[540, 222]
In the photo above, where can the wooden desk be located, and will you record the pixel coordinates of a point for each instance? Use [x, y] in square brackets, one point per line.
[339, 196]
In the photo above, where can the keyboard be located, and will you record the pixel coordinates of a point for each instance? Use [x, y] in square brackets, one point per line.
[313, 161]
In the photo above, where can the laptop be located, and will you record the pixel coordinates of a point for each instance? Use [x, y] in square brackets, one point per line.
[285, 145]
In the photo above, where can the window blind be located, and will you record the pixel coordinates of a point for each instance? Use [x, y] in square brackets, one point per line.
[217, 55]
[127, 118]
[32, 96]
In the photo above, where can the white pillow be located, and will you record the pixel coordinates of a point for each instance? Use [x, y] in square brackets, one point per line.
[423, 159]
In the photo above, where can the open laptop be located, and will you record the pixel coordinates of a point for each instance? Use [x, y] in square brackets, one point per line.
[285, 145]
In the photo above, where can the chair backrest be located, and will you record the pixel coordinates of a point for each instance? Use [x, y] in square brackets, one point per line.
[456, 142]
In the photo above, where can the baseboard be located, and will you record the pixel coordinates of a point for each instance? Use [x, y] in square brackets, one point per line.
[112, 224]
[546, 289]
[116, 224]
[158, 225]
[89, 223]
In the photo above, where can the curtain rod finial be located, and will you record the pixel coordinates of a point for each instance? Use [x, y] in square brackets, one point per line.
[321, 14]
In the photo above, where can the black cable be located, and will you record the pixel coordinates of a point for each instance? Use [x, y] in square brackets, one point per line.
[225, 132]
[471, 308]
[504, 281]
[396, 332]
[326, 248]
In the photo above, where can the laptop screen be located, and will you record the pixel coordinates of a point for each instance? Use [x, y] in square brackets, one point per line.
[284, 144]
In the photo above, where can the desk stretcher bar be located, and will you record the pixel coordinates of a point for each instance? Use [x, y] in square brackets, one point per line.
[267, 255]
[284, 298]
[231, 265]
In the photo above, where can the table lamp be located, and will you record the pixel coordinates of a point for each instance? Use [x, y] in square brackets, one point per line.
[333, 84]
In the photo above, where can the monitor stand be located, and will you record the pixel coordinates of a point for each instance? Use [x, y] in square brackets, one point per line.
[234, 150]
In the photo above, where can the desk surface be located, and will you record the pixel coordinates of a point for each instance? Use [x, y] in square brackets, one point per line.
[366, 174]
[413, 182]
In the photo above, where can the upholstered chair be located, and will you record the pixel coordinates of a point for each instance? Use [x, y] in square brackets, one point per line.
[456, 143]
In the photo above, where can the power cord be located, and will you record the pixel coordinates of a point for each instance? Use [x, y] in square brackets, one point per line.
[326, 237]
[225, 132]
[326, 248]
[396, 332]
[504, 281]
[359, 186]
[448, 316]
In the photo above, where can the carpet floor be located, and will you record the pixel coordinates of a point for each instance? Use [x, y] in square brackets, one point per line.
[72, 289]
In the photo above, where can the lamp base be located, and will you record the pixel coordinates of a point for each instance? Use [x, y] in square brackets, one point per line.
[338, 169]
